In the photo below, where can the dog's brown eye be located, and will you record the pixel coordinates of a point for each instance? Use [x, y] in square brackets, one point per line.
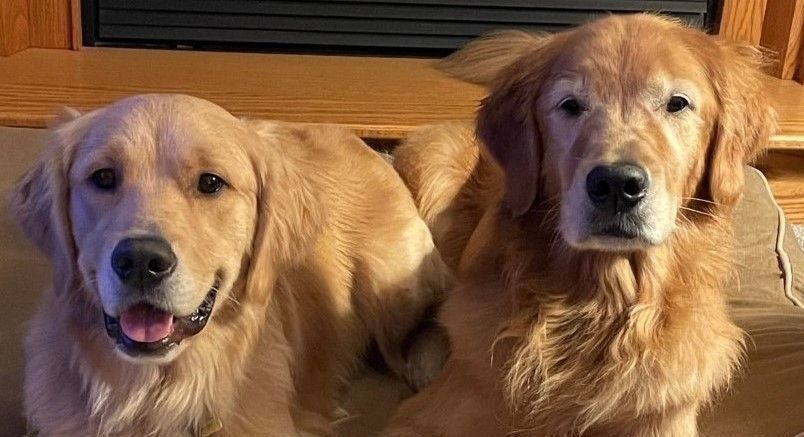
[104, 179]
[571, 106]
[210, 183]
[677, 103]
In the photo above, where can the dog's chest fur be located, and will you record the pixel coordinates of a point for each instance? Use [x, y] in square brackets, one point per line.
[594, 340]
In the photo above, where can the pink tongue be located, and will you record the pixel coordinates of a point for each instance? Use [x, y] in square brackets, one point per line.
[144, 323]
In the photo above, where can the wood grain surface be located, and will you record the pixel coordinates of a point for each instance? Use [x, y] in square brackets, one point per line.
[781, 33]
[51, 23]
[793, 64]
[785, 172]
[76, 38]
[378, 97]
[13, 26]
[788, 99]
[799, 76]
[741, 20]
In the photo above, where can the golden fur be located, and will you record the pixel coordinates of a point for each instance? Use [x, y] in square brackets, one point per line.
[553, 335]
[318, 241]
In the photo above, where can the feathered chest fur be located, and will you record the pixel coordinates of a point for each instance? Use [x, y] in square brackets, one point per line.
[595, 337]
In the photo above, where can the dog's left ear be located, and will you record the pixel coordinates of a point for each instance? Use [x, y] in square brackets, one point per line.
[289, 212]
[745, 120]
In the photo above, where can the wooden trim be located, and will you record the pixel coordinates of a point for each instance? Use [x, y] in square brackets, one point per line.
[781, 33]
[50, 23]
[76, 40]
[799, 77]
[773, 24]
[13, 26]
[783, 170]
[741, 20]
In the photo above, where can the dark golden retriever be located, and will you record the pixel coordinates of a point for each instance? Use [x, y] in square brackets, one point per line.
[213, 274]
[590, 227]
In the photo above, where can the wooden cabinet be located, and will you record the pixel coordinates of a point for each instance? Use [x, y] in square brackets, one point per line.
[54, 24]
[773, 24]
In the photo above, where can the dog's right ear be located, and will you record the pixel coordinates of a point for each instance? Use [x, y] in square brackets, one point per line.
[39, 200]
[481, 61]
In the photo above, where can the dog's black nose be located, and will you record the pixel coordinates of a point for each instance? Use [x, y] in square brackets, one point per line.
[616, 188]
[143, 263]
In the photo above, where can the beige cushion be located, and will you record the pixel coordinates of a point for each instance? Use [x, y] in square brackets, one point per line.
[771, 265]
[23, 274]
[767, 400]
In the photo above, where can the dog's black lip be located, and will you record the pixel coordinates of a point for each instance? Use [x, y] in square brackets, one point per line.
[183, 327]
[626, 226]
[619, 232]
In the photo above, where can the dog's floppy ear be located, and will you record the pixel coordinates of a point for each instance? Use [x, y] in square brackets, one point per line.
[289, 212]
[39, 200]
[482, 59]
[507, 125]
[745, 120]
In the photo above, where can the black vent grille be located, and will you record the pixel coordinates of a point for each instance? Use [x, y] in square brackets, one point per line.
[338, 25]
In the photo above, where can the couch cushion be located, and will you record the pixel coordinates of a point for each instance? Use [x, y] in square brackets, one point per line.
[23, 274]
[767, 398]
[770, 262]
[765, 298]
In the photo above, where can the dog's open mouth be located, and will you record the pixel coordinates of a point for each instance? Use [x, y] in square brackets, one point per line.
[143, 329]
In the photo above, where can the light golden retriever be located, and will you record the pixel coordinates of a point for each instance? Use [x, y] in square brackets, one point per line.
[213, 275]
[590, 227]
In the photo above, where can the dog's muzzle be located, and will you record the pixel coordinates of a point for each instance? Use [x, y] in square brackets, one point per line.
[142, 265]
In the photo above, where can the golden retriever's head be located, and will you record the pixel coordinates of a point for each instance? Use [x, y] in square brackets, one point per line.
[623, 124]
[150, 210]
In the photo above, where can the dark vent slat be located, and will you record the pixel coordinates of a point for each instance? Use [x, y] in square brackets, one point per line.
[281, 37]
[379, 25]
[385, 26]
[688, 6]
[263, 6]
[355, 10]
